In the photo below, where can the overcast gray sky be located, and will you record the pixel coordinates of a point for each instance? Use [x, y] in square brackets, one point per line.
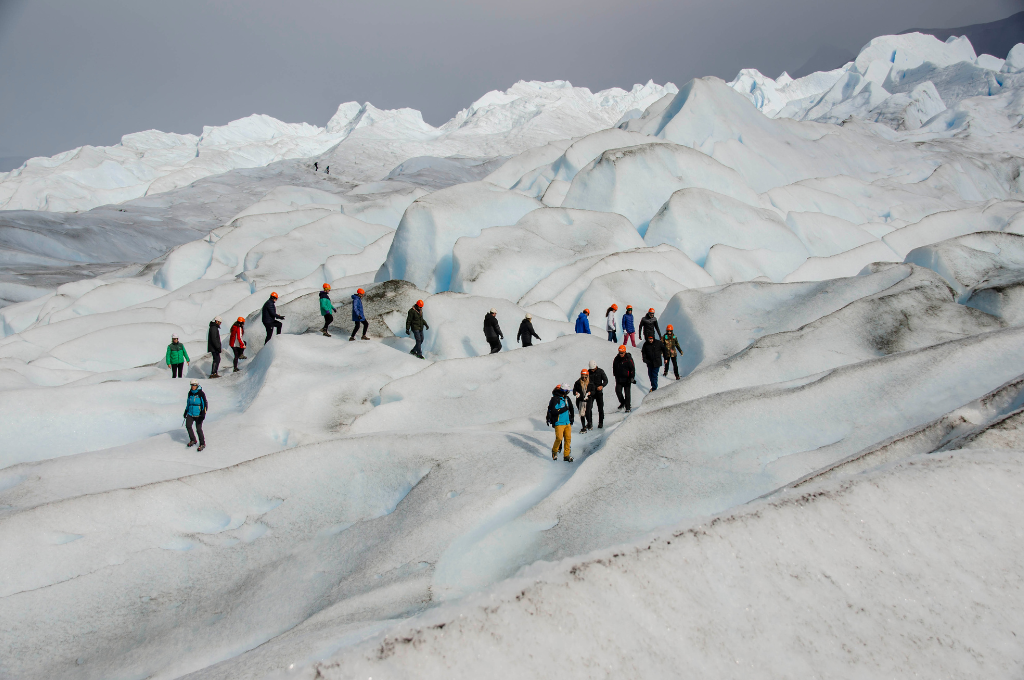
[78, 72]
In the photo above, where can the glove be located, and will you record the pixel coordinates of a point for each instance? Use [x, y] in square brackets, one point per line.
[634, 382]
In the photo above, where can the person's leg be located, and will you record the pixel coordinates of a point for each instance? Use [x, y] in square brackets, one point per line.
[666, 365]
[216, 363]
[177, 370]
[568, 443]
[611, 336]
[270, 333]
[279, 326]
[366, 325]
[188, 426]
[632, 339]
[599, 400]
[652, 373]
[495, 345]
[328, 319]
[620, 389]
[199, 431]
[628, 393]
[675, 366]
[559, 436]
[237, 351]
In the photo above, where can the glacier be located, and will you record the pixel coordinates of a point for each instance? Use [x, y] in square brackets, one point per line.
[829, 488]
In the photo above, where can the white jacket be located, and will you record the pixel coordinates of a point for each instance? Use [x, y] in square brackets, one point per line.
[610, 326]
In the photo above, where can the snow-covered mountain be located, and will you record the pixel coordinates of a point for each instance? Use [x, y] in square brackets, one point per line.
[835, 473]
[152, 162]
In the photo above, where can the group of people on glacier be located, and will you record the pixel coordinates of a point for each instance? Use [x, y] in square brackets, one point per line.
[658, 351]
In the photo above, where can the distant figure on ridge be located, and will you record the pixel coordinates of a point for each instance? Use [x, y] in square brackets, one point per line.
[672, 348]
[581, 390]
[176, 357]
[235, 342]
[627, 326]
[652, 356]
[213, 346]
[624, 371]
[358, 317]
[316, 167]
[270, 317]
[492, 331]
[583, 322]
[526, 333]
[196, 407]
[649, 325]
[327, 308]
[415, 323]
[598, 381]
[560, 416]
[610, 323]
[328, 169]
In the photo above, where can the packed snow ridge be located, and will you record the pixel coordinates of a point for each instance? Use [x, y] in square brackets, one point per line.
[842, 444]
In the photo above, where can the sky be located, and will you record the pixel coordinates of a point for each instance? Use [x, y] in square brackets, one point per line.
[79, 73]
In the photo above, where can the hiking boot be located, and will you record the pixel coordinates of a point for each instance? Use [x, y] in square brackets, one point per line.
[600, 426]
[352, 339]
[554, 456]
[190, 445]
[214, 375]
[629, 410]
[365, 337]
[237, 370]
[242, 357]
[201, 447]
[421, 356]
[568, 459]
[326, 334]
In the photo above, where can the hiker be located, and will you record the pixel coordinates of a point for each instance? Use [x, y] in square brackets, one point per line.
[624, 371]
[416, 323]
[598, 381]
[671, 348]
[526, 333]
[652, 356]
[327, 308]
[357, 314]
[328, 169]
[583, 322]
[560, 416]
[316, 167]
[213, 346]
[610, 323]
[581, 390]
[196, 407]
[235, 341]
[492, 331]
[649, 325]
[270, 317]
[176, 357]
[627, 326]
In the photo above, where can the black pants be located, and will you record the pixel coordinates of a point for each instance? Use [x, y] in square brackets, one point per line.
[528, 341]
[328, 320]
[238, 353]
[418, 336]
[270, 330]
[199, 429]
[176, 370]
[623, 390]
[598, 399]
[356, 329]
[216, 362]
[495, 344]
[675, 365]
[586, 417]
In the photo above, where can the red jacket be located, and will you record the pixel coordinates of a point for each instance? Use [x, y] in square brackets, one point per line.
[236, 335]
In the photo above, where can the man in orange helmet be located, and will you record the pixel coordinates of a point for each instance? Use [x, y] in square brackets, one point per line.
[236, 342]
[624, 371]
[671, 348]
[414, 324]
[270, 317]
[649, 326]
[358, 317]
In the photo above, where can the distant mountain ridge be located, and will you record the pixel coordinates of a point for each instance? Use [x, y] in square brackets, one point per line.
[995, 38]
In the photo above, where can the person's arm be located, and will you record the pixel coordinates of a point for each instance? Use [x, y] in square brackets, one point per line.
[657, 328]
[167, 356]
[534, 332]
[184, 352]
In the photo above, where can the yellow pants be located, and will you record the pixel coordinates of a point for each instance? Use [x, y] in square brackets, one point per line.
[562, 432]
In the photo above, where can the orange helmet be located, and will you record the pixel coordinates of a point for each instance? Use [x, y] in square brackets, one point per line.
[586, 311]
[241, 319]
[584, 372]
[327, 286]
[615, 307]
[651, 310]
[668, 327]
[629, 307]
[419, 303]
[622, 348]
[360, 292]
[273, 295]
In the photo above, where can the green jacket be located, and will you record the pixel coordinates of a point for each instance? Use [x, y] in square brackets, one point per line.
[176, 354]
[325, 306]
[671, 344]
[415, 321]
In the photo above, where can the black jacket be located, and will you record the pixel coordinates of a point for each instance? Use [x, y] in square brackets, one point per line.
[623, 368]
[652, 353]
[270, 314]
[598, 378]
[671, 343]
[649, 326]
[213, 339]
[577, 390]
[491, 327]
[526, 333]
[556, 394]
[414, 321]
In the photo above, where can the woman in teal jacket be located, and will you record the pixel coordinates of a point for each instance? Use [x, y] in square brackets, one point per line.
[176, 357]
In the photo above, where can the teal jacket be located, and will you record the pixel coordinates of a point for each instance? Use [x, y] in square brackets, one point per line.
[325, 304]
[176, 354]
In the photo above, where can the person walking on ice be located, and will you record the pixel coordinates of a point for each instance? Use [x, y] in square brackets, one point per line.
[610, 323]
[627, 326]
[672, 349]
[235, 342]
[415, 323]
[358, 317]
[213, 346]
[271, 317]
[561, 417]
[492, 331]
[196, 407]
[598, 381]
[327, 308]
[652, 355]
[624, 371]
[649, 325]
[581, 390]
[526, 333]
[583, 322]
[176, 357]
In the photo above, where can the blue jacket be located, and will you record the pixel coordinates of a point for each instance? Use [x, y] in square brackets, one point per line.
[582, 324]
[196, 404]
[357, 308]
[564, 418]
[627, 323]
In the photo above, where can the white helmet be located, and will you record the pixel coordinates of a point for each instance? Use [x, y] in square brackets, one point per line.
[193, 382]
[593, 364]
[493, 310]
[528, 317]
[217, 319]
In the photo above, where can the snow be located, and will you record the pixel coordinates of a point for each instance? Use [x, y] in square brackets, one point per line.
[840, 256]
